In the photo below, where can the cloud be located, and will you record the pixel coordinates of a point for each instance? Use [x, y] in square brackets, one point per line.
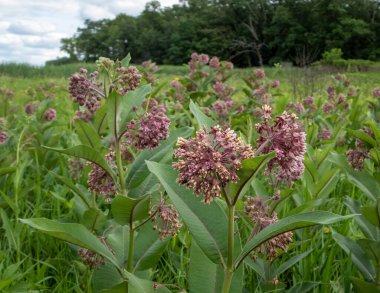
[30, 31]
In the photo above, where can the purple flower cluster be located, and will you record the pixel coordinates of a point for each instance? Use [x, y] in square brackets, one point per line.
[149, 129]
[260, 73]
[223, 108]
[128, 79]
[149, 67]
[258, 211]
[222, 91]
[30, 108]
[207, 162]
[99, 181]
[324, 134]
[166, 219]
[91, 258]
[357, 156]
[50, 114]
[376, 93]
[3, 136]
[288, 139]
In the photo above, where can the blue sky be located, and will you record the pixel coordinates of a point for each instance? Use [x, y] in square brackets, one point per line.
[30, 30]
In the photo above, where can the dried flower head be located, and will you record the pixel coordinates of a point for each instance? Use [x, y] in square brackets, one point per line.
[50, 114]
[258, 211]
[207, 162]
[149, 129]
[166, 219]
[288, 139]
[99, 181]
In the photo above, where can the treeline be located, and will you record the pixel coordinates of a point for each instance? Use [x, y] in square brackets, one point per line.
[247, 32]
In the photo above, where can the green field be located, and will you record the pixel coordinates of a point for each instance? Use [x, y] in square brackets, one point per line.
[37, 182]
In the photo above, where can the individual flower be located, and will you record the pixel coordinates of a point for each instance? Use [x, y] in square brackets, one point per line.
[207, 162]
[258, 211]
[149, 129]
[100, 181]
[287, 138]
[50, 114]
[3, 136]
[166, 219]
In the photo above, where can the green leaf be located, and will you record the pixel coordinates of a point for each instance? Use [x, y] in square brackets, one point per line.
[93, 219]
[71, 232]
[106, 277]
[291, 262]
[148, 248]
[87, 153]
[118, 239]
[246, 174]
[137, 285]
[364, 137]
[125, 61]
[257, 265]
[206, 222]
[88, 135]
[7, 170]
[100, 119]
[303, 287]
[126, 210]
[326, 184]
[202, 119]
[371, 248]
[361, 286]
[357, 254]
[288, 224]
[139, 180]
[372, 213]
[366, 183]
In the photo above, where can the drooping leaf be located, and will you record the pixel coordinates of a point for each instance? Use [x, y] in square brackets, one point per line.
[87, 153]
[288, 224]
[206, 222]
[71, 232]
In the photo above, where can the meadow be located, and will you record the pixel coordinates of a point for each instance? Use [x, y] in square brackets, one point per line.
[189, 178]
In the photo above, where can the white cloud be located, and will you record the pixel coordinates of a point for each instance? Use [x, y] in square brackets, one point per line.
[30, 31]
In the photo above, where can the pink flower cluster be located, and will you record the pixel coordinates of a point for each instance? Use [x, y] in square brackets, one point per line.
[99, 181]
[166, 219]
[149, 129]
[258, 211]
[128, 79]
[50, 114]
[223, 108]
[207, 162]
[91, 258]
[287, 138]
[149, 67]
[376, 93]
[3, 136]
[357, 156]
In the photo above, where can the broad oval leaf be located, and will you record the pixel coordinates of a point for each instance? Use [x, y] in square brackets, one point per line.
[288, 224]
[88, 135]
[71, 232]
[127, 210]
[202, 119]
[206, 222]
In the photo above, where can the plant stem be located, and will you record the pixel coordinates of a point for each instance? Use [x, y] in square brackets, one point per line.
[131, 248]
[229, 271]
[119, 166]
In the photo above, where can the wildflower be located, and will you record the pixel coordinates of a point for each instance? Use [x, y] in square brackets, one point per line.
[175, 84]
[260, 73]
[99, 181]
[324, 134]
[222, 90]
[203, 59]
[128, 80]
[30, 108]
[166, 220]
[328, 108]
[356, 158]
[76, 167]
[287, 138]
[50, 114]
[228, 65]
[223, 107]
[3, 136]
[214, 62]
[84, 115]
[275, 83]
[149, 130]
[91, 258]
[207, 162]
[258, 211]
[376, 93]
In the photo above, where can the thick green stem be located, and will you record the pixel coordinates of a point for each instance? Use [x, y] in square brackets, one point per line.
[229, 270]
[131, 248]
[120, 166]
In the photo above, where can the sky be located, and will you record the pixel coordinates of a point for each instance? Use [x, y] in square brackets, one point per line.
[30, 30]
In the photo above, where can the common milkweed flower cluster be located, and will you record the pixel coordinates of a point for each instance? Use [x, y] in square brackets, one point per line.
[149, 129]
[258, 211]
[287, 138]
[207, 162]
[3, 136]
[357, 156]
[166, 219]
